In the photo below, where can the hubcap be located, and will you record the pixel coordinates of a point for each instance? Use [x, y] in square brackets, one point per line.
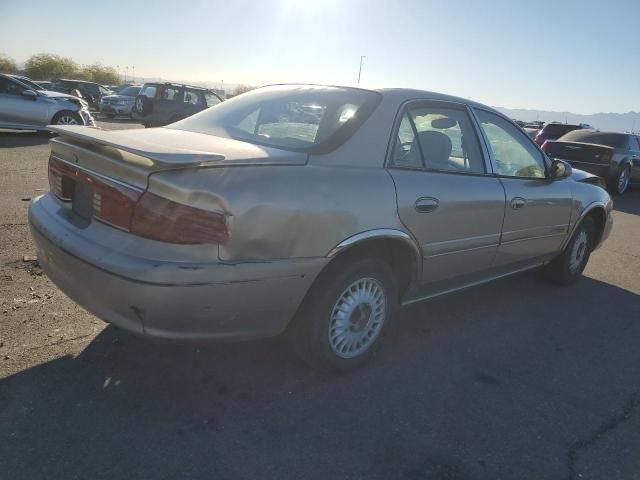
[623, 180]
[67, 120]
[139, 105]
[357, 318]
[579, 251]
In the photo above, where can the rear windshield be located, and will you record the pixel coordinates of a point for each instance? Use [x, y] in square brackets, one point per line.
[558, 129]
[615, 140]
[301, 118]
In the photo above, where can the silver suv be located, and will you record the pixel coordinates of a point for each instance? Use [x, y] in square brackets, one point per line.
[23, 108]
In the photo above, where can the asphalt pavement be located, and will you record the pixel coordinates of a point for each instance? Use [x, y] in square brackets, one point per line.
[517, 379]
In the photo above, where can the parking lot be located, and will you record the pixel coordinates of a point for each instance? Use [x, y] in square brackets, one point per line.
[517, 379]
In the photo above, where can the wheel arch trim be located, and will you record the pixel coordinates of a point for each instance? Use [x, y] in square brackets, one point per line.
[586, 211]
[376, 234]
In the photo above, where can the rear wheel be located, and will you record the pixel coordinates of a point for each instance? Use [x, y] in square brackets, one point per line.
[66, 117]
[567, 268]
[344, 315]
[620, 183]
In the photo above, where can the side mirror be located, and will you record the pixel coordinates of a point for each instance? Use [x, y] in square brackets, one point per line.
[29, 94]
[559, 169]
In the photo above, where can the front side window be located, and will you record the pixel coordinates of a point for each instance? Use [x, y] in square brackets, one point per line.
[514, 154]
[211, 99]
[438, 138]
[10, 87]
[170, 93]
[298, 118]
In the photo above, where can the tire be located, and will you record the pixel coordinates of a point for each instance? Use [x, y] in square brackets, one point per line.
[567, 268]
[620, 183]
[146, 124]
[66, 117]
[331, 335]
[143, 105]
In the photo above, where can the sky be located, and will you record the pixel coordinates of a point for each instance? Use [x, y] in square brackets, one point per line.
[569, 55]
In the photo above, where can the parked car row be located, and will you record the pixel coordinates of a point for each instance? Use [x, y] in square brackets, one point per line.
[309, 211]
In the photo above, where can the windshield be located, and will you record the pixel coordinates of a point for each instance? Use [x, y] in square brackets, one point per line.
[615, 140]
[28, 83]
[129, 91]
[289, 117]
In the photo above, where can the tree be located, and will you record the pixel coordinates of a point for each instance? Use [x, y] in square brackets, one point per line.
[242, 89]
[100, 74]
[47, 66]
[7, 64]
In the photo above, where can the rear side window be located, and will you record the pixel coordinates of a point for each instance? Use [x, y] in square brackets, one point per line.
[615, 140]
[194, 97]
[170, 93]
[437, 138]
[149, 91]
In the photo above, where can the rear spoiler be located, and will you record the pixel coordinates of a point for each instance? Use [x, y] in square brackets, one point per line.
[165, 158]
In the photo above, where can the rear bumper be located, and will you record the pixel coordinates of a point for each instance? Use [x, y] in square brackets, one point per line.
[178, 300]
[605, 171]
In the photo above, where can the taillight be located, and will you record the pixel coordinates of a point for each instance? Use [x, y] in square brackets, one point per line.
[59, 182]
[544, 145]
[128, 208]
[113, 203]
[160, 219]
[539, 139]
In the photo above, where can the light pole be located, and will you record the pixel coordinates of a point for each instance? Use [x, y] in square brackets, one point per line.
[133, 74]
[362, 57]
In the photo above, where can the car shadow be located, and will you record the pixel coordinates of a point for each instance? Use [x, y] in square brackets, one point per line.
[629, 202]
[463, 386]
[15, 138]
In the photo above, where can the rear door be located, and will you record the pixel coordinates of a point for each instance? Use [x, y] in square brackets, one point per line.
[168, 105]
[194, 102]
[446, 196]
[538, 209]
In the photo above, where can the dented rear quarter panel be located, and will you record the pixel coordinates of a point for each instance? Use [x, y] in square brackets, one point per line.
[286, 211]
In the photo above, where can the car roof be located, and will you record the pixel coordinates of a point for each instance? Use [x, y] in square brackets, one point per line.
[76, 81]
[402, 95]
[178, 85]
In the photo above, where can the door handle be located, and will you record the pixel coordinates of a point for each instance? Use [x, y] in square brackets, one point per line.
[426, 204]
[517, 203]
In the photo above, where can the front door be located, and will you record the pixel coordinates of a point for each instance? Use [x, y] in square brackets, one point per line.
[18, 110]
[446, 195]
[538, 209]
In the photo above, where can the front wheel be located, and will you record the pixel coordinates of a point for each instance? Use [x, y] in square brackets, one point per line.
[342, 319]
[567, 268]
[67, 117]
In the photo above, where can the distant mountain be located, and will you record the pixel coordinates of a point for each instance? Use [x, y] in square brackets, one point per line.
[621, 122]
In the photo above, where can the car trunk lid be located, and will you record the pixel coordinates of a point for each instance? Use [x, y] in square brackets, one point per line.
[579, 152]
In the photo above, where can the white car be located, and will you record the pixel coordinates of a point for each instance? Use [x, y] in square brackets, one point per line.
[23, 108]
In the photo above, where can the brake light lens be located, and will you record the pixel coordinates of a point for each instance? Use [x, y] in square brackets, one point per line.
[544, 145]
[608, 156]
[60, 182]
[164, 220]
[113, 203]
